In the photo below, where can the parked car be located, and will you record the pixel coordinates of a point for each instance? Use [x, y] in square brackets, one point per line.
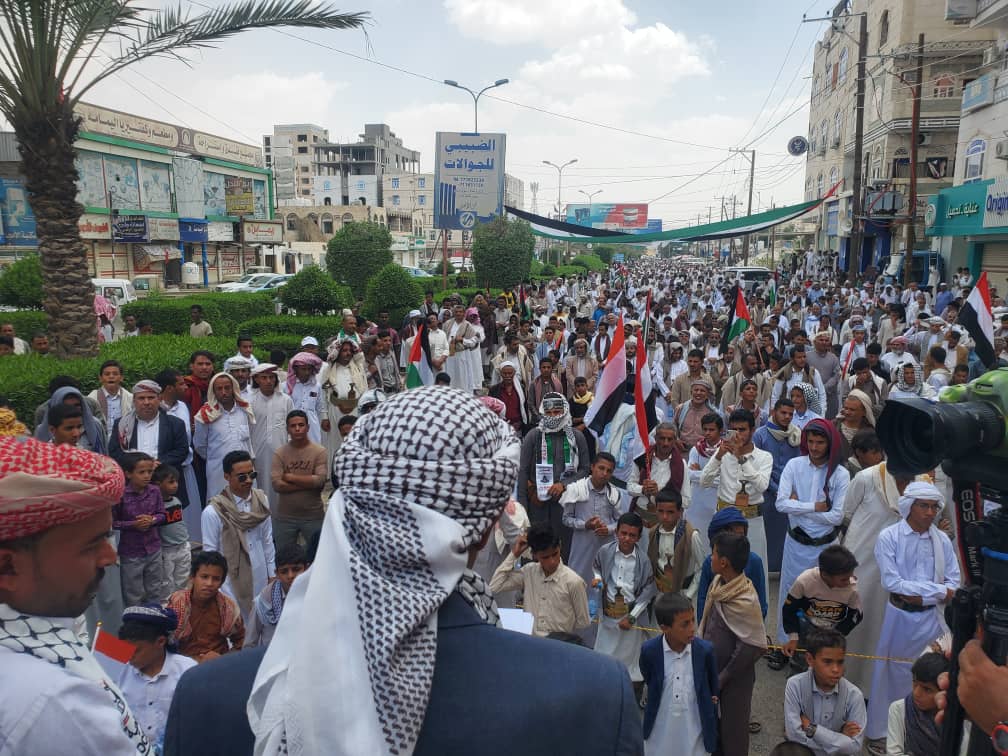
[241, 281]
[265, 283]
[417, 272]
[250, 284]
[118, 291]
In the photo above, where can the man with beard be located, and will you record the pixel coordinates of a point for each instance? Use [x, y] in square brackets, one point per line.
[750, 372]
[661, 468]
[197, 385]
[55, 527]
[823, 359]
[553, 456]
[782, 439]
[223, 425]
[511, 392]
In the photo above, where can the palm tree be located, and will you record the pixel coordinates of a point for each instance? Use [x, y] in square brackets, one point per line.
[52, 52]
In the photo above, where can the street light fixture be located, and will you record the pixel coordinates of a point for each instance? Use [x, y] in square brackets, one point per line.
[589, 195]
[560, 169]
[476, 96]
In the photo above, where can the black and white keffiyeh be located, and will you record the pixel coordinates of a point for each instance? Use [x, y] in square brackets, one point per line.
[557, 424]
[419, 480]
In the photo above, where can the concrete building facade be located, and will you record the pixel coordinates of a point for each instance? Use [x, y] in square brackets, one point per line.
[376, 152]
[290, 151]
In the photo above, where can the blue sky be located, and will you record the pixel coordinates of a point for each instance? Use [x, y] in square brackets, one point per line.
[672, 70]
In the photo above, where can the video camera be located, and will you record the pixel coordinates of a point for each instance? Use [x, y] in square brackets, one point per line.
[964, 433]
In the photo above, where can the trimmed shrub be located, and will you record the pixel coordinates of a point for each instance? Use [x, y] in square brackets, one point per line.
[356, 253]
[394, 291]
[588, 262]
[321, 327]
[502, 252]
[26, 322]
[21, 284]
[223, 311]
[549, 270]
[313, 292]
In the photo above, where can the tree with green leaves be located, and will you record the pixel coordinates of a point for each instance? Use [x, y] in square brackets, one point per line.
[21, 284]
[605, 252]
[502, 252]
[53, 53]
[393, 290]
[313, 292]
[357, 252]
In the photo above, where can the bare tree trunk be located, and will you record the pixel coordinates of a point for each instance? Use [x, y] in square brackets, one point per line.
[47, 162]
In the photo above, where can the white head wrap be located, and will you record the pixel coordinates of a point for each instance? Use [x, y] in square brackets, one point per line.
[418, 481]
[919, 490]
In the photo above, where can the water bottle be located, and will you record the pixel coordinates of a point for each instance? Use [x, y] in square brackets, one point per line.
[594, 600]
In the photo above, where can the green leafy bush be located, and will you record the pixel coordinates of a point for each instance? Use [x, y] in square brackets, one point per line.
[394, 291]
[321, 327]
[467, 294]
[21, 284]
[25, 322]
[314, 292]
[223, 311]
[549, 270]
[536, 269]
[588, 262]
[502, 252]
[356, 253]
[24, 379]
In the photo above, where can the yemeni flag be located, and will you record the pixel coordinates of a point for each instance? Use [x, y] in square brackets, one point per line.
[771, 292]
[419, 373]
[739, 319]
[976, 316]
[643, 400]
[112, 654]
[611, 386]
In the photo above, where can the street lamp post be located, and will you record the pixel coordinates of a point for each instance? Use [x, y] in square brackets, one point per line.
[589, 195]
[476, 96]
[560, 169]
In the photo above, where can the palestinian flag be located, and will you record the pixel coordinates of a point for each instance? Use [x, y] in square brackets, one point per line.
[611, 386]
[419, 373]
[976, 316]
[771, 292]
[739, 319]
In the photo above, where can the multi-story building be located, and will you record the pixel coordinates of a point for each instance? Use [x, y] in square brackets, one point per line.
[953, 50]
[376, 152]
[969, 222]
[514, 191]
[290, 151]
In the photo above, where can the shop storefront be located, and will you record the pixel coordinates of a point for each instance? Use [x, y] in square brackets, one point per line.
[969, 225]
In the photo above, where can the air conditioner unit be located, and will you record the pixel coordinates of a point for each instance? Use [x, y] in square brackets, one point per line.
[923, 140]
[1001, 150]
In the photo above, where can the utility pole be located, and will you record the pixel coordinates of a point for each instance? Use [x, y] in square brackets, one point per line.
[857, 200]
[773, 237]
[914, 138]
[751, 156]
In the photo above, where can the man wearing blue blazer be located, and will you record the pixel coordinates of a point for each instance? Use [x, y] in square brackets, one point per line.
[680, 672]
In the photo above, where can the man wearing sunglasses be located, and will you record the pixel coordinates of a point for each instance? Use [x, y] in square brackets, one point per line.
[236, 522]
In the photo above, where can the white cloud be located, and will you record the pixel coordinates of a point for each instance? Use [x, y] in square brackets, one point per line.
[545, 21]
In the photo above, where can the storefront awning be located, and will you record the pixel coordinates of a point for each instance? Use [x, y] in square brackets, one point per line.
[750, 224]
[145, 254]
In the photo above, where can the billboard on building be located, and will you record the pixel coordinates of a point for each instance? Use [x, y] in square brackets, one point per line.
[155, 186]
[121, 182]
[238, 196]
[618, 216]
[18, 216]
[468, 179]
[188, 174]
[90, 179]
[654, 226]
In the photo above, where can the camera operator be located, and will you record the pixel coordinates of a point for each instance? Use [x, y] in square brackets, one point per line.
[983, 693]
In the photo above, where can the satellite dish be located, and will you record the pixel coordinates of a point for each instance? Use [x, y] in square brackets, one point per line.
[798, 146]
[846, 226]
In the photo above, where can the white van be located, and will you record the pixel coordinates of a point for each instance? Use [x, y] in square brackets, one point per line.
[118, 291]
[752, 275]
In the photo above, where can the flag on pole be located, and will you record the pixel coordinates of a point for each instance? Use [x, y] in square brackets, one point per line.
[523, 308]
[611, 386]
[771, 293]
[739, 319]
[419, 373]
[978, 319]
[643, 389]
[112, 654]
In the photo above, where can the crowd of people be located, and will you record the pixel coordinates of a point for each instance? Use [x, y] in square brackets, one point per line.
[494, 489]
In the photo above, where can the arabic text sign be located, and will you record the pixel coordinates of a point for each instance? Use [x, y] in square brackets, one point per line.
[238, 197]
[468, 178]
[129, 228]
[267, 232]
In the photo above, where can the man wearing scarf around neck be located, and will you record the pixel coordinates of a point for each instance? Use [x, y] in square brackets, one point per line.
[555, 451]
[920, 570]
[782, 439]
[661, 468]
[223, 425]
[55, 522]
[149, 429]
[392, 618]
[811, 493]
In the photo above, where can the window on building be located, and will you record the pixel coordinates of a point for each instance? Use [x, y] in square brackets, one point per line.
[313, 218]
[808, 188]
[395, 199]
[432, 235]
[347, 218]
[901, 168]
[302, 137]
[266, 141]
[824, 128]
[836, 76]
[944, 86]
[837, 127]
[834, 176]
[421, 183]
[819, 185]
[421, 200]
[291, 222]
[395, 182]
[812, 140]
[815, 87]
[327, 224]
[305, 180]
[975, 152]
[883, 28]
[327, 201]
[842, 66]
[302, 150]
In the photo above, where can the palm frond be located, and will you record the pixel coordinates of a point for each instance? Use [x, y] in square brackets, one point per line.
[171, 31]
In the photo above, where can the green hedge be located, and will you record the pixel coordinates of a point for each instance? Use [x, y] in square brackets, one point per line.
[223, 311]
[24, 379]
[26, 322]
[467, 294]
[589, 262]
[321, 327]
